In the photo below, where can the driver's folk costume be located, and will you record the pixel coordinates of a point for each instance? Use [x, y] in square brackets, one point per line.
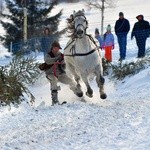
[54, 69]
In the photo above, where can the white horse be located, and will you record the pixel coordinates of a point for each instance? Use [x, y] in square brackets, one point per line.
[82, 55]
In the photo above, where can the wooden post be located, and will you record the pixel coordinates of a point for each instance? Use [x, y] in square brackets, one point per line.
[25, 24]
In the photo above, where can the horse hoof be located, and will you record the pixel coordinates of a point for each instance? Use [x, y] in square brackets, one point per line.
[103, 96]
[89, 95]
[79, 94]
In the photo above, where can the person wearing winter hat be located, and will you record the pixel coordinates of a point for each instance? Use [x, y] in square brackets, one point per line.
[141, 31]
[108, 43]
[54, 68]
[98, 37]
[122, 27]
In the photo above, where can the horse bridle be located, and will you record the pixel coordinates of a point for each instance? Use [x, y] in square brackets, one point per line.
[72, 50]
[81, 24]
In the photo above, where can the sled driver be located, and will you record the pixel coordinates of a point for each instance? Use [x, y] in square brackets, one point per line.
[54, 69]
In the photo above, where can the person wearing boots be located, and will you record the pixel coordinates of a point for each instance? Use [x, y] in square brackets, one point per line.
[122, 27]
[108, 44]
[55, 72]
[141, 31]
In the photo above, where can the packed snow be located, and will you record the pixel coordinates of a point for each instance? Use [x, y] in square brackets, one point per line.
[121, 122]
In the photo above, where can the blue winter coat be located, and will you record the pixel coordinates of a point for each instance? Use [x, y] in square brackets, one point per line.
[46, 42]
[100, 40]
[108, 39]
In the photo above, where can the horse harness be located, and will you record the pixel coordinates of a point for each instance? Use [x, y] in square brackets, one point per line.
[73, 52]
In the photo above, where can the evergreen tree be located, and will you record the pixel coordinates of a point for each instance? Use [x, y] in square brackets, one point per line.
[37, 18]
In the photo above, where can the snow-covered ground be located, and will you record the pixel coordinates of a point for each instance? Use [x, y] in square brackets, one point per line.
[121, 122]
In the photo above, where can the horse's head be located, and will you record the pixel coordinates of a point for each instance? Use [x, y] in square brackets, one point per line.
[80, 23]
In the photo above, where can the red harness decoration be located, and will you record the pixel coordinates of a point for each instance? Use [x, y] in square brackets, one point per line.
[55, 67]
[56, 63]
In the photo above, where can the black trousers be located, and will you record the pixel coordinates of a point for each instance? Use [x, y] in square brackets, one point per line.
[141, 43]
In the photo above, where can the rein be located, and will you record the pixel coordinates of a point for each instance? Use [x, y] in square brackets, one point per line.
[81, 54]
[55, 65]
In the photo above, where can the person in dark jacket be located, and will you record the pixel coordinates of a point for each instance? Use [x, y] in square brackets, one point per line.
[122, 27]
[141, 31]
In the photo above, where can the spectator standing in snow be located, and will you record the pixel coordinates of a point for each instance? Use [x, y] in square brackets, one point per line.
[46, 41]
[141, 31]
[108, 43]
[122, 28]
[55, 72]
[98, 37]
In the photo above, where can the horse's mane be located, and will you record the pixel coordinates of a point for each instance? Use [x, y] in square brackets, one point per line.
[70, 26]
[70, 23]
[79, 13]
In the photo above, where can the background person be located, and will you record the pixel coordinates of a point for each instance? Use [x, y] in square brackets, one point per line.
[98, 37]
[122, 28]
[108, 43]
[46, 41]
[141, 31]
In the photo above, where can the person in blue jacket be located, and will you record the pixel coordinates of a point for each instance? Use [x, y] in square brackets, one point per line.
[46, 41]
[122, 27]
[141, 31]
[98, 37]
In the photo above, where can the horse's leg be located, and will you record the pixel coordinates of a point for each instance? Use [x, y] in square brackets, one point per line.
[89, 92]
[100, 82]
[79, 92]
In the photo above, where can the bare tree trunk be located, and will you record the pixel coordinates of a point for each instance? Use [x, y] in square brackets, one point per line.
[101, 5]
[102, 17]
[1, 7]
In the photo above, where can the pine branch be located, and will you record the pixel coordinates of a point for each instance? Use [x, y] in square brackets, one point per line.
[122, 70]
[14, 78]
